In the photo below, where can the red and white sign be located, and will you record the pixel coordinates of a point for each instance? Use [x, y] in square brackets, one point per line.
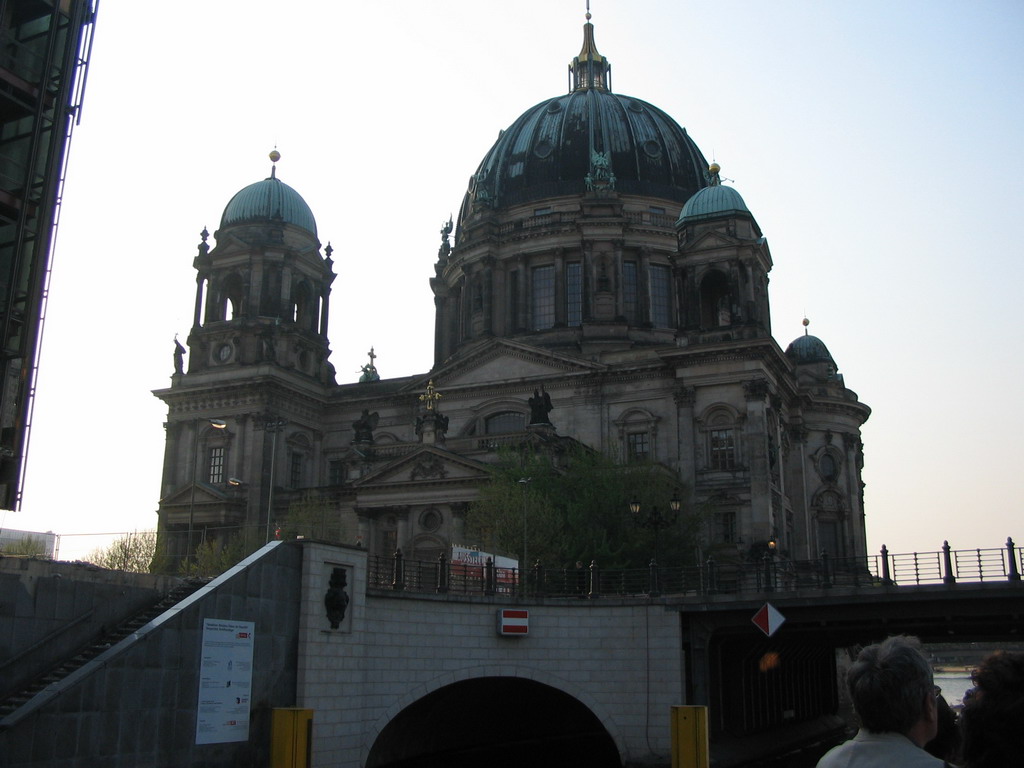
[514, 621]
[768, 619]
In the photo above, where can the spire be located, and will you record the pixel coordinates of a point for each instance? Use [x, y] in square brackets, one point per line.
[590, 69]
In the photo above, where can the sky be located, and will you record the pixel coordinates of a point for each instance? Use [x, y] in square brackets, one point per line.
[876, 143]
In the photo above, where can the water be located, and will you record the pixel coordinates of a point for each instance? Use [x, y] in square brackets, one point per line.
[953, 685]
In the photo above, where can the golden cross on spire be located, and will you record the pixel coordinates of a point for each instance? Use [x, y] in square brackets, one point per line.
[431, 396]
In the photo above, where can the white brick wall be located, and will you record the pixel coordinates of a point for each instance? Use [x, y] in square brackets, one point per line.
[620, 660]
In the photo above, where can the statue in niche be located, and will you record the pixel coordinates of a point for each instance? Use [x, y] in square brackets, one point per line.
[336, 600]
[267, 351]
[179, 356]
[364, 426]
[724, 315]
[540, 407]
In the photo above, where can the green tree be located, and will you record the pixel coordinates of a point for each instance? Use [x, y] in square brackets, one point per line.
[577, 509]
[315, 516]
[133, 552]
[214, 556]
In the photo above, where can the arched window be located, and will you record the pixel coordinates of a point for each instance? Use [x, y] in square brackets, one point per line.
[661, 296]
[720, 426]
[232, 294]
[506, 421]
[637, 434]
[303, 313]
[715, 301]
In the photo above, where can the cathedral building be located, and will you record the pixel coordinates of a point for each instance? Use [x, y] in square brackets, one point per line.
[601, 286]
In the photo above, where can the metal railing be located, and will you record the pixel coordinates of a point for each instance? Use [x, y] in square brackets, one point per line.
[770, 574]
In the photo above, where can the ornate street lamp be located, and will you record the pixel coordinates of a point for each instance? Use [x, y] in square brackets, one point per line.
[655, 519]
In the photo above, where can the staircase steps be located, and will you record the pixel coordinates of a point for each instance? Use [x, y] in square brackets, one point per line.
[102, 643]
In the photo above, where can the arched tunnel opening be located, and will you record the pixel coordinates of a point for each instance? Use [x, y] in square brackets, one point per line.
[497, 722]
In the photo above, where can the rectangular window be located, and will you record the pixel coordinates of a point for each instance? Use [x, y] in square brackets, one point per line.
[637, 446]
[513, 301]
[389, 543]
[725, 525]
[661, 297]
[216, 465]
[335, 472]
[295, 469]
[723, 449]
[543, 297]
[629, 295]
[574, 293]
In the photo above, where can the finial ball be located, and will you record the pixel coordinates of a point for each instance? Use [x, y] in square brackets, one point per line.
[275, 156]
[714, 168]
[806, 322]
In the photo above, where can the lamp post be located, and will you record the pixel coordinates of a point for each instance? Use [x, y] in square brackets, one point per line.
[655, 519]
[523, 567]
[273, 425]
[216, 424]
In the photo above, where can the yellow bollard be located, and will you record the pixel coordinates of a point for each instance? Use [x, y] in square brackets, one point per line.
[291, 738]
[690, 737]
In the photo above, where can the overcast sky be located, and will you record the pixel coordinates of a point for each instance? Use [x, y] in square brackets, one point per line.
[878, 144]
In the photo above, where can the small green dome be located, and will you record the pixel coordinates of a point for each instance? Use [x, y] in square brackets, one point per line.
[268, 200]
[712, 202]
[808, 349]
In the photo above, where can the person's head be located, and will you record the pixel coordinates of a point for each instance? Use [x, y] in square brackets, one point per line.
[892, 689]
[992, 719]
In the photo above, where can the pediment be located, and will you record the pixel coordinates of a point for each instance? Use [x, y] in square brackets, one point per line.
[501, 360]
[711, 239]
[427, 465]
[204, 494]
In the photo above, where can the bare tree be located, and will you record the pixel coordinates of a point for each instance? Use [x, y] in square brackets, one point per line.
[133, 552]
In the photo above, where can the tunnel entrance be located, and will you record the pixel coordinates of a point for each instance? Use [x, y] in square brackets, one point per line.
[498, 722]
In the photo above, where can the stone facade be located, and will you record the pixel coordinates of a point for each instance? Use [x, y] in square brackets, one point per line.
[618, 277]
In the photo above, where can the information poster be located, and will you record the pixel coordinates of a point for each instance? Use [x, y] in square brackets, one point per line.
[225, 681]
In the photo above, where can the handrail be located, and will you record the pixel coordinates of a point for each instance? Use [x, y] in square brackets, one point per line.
[8, 688]
[769, 574]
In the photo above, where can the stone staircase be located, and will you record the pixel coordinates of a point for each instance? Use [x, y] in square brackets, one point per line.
[102, 643]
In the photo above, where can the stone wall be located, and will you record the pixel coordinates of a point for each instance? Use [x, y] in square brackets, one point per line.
[620, 659]
[50, 610]
[136, 703]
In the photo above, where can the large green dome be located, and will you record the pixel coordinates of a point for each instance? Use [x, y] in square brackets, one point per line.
[589, 137]
[267, 201]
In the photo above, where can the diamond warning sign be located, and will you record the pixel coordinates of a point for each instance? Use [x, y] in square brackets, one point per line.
[768, 620]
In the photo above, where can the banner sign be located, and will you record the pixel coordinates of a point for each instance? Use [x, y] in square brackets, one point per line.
[225, 681]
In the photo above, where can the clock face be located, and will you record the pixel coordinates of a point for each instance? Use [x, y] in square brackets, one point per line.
[224, 352]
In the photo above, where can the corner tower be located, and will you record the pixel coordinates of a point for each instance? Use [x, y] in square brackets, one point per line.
[263, 294]
[245, 413]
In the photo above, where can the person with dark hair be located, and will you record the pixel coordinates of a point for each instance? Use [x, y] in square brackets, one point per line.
[992, 720]
[895, 698]
[946, 743]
